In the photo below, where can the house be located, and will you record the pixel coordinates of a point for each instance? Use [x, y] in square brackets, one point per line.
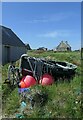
[11, 46]
[42, 48]
[63, 46]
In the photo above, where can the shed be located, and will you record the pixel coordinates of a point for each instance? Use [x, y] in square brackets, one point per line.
[42, 48]
[11, 46]
[63, 46]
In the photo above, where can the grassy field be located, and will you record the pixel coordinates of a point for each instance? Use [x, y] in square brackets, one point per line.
[64, 99]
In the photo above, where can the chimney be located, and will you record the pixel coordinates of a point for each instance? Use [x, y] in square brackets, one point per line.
[66, 42]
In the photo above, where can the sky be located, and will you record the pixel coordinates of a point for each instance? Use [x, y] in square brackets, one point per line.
[44, 24]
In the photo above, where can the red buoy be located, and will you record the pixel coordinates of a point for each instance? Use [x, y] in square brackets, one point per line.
[46, 79]
[29, 81]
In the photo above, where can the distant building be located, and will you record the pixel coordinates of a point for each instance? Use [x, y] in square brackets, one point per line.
[42, 48]
[82, 54]
[11, 46]
[63, 46]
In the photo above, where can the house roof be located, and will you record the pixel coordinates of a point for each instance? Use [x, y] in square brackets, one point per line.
[9, 37]
[41, 48]
[63, 45]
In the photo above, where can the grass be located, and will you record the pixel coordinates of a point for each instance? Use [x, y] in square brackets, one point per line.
[55, 55]
[63, 102]
[64, 99]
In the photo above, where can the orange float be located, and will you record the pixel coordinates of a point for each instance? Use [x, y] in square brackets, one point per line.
[22, 84]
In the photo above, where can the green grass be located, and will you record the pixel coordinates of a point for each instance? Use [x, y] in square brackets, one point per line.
[64, 99]
[73, 57]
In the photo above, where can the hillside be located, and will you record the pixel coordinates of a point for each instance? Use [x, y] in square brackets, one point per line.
[64, 98]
